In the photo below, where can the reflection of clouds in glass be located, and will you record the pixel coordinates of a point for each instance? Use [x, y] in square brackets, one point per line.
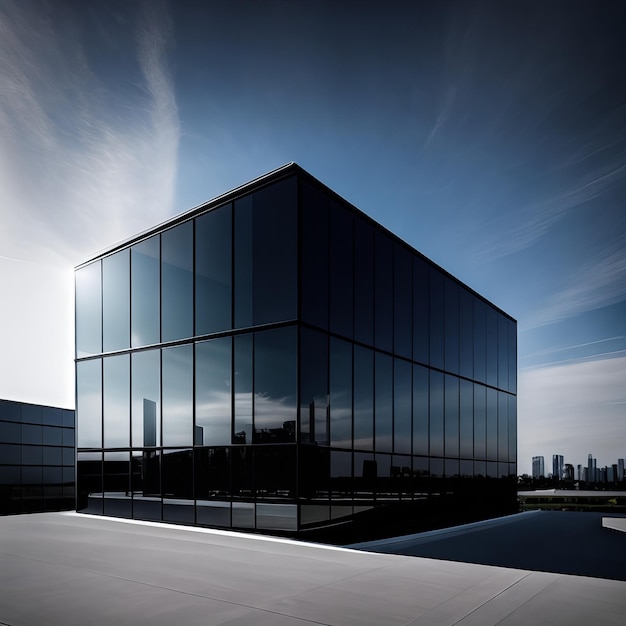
[281, 409]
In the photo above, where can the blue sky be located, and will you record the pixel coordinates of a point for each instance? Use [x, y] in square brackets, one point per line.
[490, 136]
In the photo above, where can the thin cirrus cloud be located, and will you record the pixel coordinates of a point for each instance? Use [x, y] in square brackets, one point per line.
[81, 164]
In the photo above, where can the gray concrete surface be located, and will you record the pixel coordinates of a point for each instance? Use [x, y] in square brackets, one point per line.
[62, 568]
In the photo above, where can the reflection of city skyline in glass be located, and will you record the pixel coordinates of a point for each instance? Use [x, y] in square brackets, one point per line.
[149, 422]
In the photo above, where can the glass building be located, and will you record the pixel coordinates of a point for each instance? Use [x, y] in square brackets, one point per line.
[36, 458]
[275, 359]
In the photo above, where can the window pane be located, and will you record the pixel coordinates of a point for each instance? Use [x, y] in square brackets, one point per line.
[420, 409]
[341, 270]
[145, 292]
[314, 259]
[512, 357]
[512, 415]
[503, 352]
[383, 278]
[116, 301]
[421, 311]
[116, 401]
[214, 270]
[275, 386]
[89, 310]
[212, 475]
[146, 423]
[89, 482]
[243, 389]
[452, 416]
[466, 338]
[340, 393]
[401, 406]
[466, 422]
[402, 302]
[177, 282]
[480, 421]
[89, 403]
[492, 346]
[363, 398]
[503, 427]
[313, 387]
[178, 396]
[363, 282]
[213, 400]
[451, 326]
[480, 342]
[492, 424]
[116, 484]
[437, 319]
[243, 262]
[383, 416]
[274, 219]
[436, 413]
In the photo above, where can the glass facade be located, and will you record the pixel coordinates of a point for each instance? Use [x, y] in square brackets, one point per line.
[276, 360]
[36, 458]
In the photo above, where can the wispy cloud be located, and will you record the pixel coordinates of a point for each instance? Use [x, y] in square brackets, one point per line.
[82, 164]
[572, 409]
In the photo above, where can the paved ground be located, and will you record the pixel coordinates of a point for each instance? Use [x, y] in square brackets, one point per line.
[61, 568]
[566, 542]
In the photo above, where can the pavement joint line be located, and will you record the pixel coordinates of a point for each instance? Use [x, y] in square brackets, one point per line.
[153, 586]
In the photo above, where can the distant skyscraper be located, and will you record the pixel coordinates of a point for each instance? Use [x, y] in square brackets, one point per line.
[620, 470]
[580, 472]
[539, 470]
[557, 466]
[591, 469]
[568, 472]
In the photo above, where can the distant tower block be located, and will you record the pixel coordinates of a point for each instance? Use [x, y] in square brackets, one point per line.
[149, 423]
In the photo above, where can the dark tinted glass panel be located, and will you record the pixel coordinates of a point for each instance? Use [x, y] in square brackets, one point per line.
[452, 416]
[243, 389]
[503, 352]
[437, 317]
[33, 414]
[146, 398]
[512, 414]
[402, 406]
[11, 432]
[341, 270]
[436, 412]
[212, 475]
[145, 292]
[177, 474]
[436, 470]
[177, 282]
[10, 411]
[383, 281]
[363, 398]
[341, 475]
[480, 421]
[421, 311]
[32, 455]
[313, 477]
[480, 469]
[492, 424]
[512, 357]
[275, 472]
[274, 219]
[480, 341]
[11, 453]
[451, 339]
[363, 282]
[89, 482]
[146, 475]
[340, 393]
[52, 436]
[466, 421]
[213, 400]
[68, 436]
[383, 415]
[402, 302]
[214, 270]
[466, 469]
[89, 403]
[116, 301]
[466, 336]
[275, 386]
[314, 257]
[503, 427]
[420, 409]
[68, 418]
[243, 258]
[241, 472]
[89, 310]
[365, 475]
[116, 401]
[52, 416]
[451, 468]
[68, 456]
[116, 484]
[313, 387]
[492, 346]
[31, 433]
[177, 398]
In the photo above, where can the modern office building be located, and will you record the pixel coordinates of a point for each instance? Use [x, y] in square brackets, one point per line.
[539, 470]
[36, 458]
[274, 359]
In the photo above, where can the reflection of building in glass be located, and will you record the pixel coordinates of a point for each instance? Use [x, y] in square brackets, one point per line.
[310, 367]
[539, 470]
[36, 458]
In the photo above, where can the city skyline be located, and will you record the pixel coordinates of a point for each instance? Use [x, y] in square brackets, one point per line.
[547, 462]
[490, 138]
